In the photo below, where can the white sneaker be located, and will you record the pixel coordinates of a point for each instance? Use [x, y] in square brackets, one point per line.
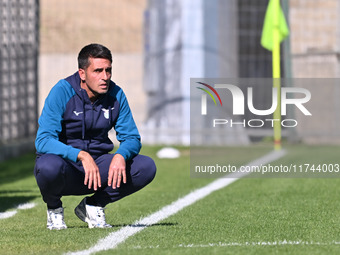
[94, 216]
[55, 219]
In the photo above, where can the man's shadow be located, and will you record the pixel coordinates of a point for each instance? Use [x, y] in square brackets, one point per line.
[164, 224]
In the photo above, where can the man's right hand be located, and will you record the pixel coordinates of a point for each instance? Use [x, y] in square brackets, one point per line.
[91, 169]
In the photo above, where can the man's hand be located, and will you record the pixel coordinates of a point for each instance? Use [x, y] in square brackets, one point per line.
[92, 175]
[117, 171]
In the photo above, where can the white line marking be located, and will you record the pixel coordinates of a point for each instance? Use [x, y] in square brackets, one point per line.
[118, 237]
[230, 244]
[26, 206]
[8, 214]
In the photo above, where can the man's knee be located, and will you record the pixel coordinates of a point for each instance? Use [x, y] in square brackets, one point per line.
[149, 168]
[146, 169]
[48, 168]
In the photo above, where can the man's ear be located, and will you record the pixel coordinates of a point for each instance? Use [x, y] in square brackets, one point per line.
[82, 74]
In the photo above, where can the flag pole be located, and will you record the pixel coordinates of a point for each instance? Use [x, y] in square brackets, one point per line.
[275, 30]
[277, 74]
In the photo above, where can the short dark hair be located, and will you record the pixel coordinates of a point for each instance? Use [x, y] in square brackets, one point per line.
[92, 50]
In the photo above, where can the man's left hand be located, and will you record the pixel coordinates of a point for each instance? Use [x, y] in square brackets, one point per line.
[117, 171]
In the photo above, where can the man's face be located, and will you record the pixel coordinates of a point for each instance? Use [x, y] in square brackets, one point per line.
[97, 77]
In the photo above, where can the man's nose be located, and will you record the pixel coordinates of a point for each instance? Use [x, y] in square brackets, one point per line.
[105, 75]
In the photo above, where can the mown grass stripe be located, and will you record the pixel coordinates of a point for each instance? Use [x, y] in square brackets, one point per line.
[118, 237]
[259, 243]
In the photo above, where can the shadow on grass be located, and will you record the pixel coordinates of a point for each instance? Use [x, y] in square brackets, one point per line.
[17, 168]
[153, 225]
[135, 225]
[13, 170]
[11, 202]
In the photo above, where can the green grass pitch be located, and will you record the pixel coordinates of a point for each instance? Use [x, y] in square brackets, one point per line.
[250, 216]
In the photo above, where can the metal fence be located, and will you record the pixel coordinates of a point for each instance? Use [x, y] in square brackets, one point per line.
[19, 44]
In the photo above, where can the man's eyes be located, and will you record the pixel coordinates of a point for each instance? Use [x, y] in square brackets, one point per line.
[108, 70]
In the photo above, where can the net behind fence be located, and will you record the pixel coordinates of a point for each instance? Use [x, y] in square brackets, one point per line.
[19, 46]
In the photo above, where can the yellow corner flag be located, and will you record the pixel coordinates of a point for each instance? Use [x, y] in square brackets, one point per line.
[275, 30]
[267, 40]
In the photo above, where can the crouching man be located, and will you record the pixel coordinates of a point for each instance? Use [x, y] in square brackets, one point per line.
[73, 146]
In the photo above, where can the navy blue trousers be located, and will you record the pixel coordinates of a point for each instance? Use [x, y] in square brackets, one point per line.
[57, 177]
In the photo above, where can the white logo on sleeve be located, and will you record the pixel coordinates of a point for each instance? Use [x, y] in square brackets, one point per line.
[77, 113]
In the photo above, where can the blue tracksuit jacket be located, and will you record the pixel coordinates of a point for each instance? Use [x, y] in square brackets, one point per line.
[69, 122]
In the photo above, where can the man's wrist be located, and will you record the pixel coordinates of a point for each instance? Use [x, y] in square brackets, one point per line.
[82, 155]
[119, 155]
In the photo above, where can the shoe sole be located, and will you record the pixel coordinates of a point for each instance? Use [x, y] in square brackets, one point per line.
[56, 228]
